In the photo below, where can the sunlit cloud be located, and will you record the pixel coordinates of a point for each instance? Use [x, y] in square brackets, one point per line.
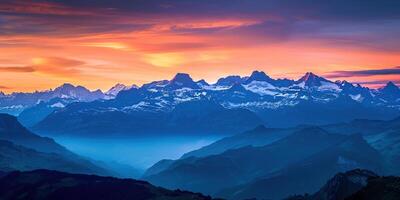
[99, 44]
[57, 66]
[111, 45]
[164, 60]
[17, 69]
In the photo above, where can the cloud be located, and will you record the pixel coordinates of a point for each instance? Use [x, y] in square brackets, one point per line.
[56, 66]
[364, 73]
[378, 82]
[17, 69]
[256, 21]
[63, 67]
[4, 87]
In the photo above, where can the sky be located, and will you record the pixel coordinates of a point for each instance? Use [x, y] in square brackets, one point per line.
[98, 43]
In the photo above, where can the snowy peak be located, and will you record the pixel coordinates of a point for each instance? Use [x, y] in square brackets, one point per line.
[311, 80]
[258, 76]
[65, 87]
[68, 90]
[229, 81]
[182, 80]
[390, 92]
[113, 91]
[390, 87]
[202, 83]
[237, 87]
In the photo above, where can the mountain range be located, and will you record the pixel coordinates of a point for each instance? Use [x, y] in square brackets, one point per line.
[59, 97]
[270, 163]
[170, 104]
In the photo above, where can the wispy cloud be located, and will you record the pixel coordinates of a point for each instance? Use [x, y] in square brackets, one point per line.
[63, 67]
[379, 82]
[364, 73]
[17, 69]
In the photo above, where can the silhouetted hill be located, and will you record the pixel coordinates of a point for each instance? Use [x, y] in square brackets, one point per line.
[356, 185]
[15, 157]
[24, 150]
[382, 188]
[52, 185]
[11, 130]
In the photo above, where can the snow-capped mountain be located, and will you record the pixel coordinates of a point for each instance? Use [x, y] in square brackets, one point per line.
[182, 80]
[16, 102]
[258, 76]
[278, 102]
[113, 91]
[390, 93]
[230, 80]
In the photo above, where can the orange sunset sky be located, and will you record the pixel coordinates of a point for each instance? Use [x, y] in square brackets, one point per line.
[100, 43]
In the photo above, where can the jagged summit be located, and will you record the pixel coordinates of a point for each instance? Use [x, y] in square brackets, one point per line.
[182, 80]
[202, 82]
[312, 80]
[390, 92]
[113, 91]
[229, 80]
[309, 76]
[390, 86]
[258, 76]
[237, 87]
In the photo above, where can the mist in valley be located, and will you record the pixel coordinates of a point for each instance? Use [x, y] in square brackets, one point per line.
[131, 156]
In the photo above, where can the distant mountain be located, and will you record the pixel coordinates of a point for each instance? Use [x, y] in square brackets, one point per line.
[356, 185]
[258, 76]
[230, 80]
[307, 175]
[278, 102]
[202, 83]
[46, 185]
[182, 80]
[16, 157]
[387, 188]
[11, 130]
[32, 115]
[382, 135]
[269, 163]
[259, 136]
[210, 174]
[311, 80]
[23, 150]
[341, 186]
[390, 92]
[190, 117]
[113, 91]
[16, 102]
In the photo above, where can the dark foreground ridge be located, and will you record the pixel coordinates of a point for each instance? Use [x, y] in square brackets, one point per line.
[356, 184]
[46, 185]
